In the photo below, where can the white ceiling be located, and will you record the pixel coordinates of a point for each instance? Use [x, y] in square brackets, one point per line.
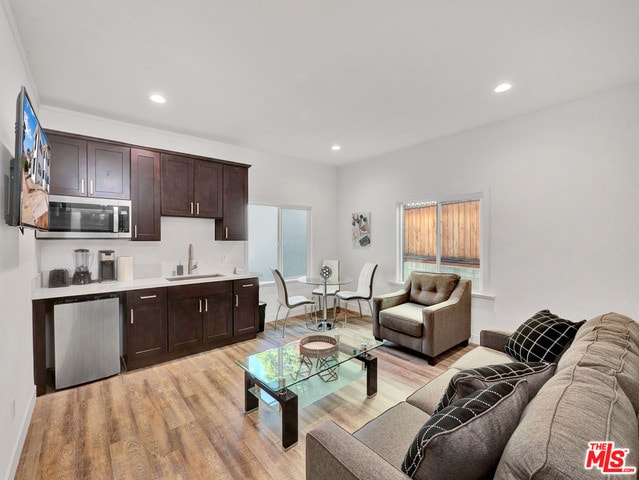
[294, 77]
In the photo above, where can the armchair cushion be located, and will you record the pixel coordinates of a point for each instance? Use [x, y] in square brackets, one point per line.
[428, 289]
[405, 318]
[467, 438]
[542, 338]
[468, 381]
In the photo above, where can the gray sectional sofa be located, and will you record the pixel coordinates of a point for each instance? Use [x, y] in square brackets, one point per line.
[591, 396]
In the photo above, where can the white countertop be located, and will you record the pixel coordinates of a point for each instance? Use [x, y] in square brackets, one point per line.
[135, 284]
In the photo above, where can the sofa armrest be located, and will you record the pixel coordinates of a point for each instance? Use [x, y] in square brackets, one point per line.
[495, 339]
[332, 452]
[387, 300]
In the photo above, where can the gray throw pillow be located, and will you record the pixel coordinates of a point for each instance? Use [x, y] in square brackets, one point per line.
[466, 439]
[541, 338]
[467, 381]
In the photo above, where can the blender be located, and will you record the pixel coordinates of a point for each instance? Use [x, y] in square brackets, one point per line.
[83, 260]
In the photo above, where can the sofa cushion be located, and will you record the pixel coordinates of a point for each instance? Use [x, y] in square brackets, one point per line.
[390, 434]
[542, 338]
[610, 344]
[405, 318]
[466, 439]
[575, 407]
[468, 381]
[480, 357]
[431, 288]
[427, 397]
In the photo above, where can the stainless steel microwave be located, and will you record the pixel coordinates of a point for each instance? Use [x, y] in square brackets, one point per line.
[87, 217]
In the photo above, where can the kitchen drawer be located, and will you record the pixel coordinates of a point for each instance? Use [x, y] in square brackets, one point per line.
[200, 289]
[146, 297]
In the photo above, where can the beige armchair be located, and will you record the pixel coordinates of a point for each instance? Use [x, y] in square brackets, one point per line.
[430, 314]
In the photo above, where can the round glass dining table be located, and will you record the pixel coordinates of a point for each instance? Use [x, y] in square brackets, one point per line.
[324, 324]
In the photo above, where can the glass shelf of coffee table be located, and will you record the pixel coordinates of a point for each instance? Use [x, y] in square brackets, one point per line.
[282, 378]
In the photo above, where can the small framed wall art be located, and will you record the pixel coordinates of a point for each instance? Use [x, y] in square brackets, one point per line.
[360, 223]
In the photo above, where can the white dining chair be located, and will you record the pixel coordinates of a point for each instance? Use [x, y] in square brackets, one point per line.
[288, 302]
[364, 289]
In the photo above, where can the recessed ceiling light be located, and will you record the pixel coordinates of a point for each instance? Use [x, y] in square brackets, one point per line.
[335, 148]
[503, 87]
[157, 98]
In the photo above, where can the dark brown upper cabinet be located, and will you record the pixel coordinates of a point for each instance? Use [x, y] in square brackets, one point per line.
[84, 168]
[145, 195]
[191, 187]
[234, 223]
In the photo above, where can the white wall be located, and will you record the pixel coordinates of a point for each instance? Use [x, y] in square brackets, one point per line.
[562, 187]
[17, 267]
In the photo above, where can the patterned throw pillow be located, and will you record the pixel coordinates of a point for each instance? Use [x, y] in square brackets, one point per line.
[467, 381]
[466, 439]
[542, 338]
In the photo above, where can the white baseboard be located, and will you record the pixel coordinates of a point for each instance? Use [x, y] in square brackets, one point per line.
[17, 451]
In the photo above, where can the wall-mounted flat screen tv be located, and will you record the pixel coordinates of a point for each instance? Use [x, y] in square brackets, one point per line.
[28, 203]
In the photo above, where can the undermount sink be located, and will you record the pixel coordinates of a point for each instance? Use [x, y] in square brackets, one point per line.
[193, 277]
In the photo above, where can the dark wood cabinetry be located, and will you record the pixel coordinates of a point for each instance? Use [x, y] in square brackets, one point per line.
[84, 168]
[145, 195]
[199, 314]
[68, 165]
[234, 223]
[109, 170]
[146, 326]
[246, 313]
[191, 187]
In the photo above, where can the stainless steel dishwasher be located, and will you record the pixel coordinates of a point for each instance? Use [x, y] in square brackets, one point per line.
[86, 341]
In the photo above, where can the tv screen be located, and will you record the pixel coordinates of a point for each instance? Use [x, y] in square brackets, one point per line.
[30, 170]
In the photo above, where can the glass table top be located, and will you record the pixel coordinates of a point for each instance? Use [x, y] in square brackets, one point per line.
[284, 366]
[317, 280]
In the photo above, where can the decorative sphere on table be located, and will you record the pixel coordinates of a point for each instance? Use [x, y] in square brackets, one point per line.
[326, 272]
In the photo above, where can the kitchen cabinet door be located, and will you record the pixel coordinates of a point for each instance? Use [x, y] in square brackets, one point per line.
[207, 194]
[145, 195]
[68, 165]
[234, 224]
[177, 185]
[146, 330]
[218, 317]
[109, 170]
[246, 308]
[185, 323]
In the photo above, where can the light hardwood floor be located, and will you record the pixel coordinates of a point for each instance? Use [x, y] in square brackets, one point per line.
[185, 419]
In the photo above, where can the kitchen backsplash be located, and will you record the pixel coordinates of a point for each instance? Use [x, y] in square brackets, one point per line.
[152, 259]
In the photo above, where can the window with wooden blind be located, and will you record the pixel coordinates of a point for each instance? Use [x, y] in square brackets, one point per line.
[442, 236]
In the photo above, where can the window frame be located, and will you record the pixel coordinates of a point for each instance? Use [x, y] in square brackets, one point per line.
[280, 247]
[439, 200]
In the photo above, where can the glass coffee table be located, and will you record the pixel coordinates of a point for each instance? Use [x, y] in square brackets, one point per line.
[297, 374]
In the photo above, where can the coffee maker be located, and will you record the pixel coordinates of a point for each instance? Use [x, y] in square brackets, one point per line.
[106, 266]
[83, 260]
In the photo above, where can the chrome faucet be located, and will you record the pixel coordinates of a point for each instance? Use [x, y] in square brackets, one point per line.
[191, 265]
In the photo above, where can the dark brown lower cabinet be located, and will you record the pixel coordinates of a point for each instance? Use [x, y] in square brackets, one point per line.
[146, 330]
[246, 311]
[199, 314]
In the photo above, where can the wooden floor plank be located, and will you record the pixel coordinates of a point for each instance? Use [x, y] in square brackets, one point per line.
[185, 419]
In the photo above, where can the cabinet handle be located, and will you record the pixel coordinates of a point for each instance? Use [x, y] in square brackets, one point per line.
[206, 304]
[82, 185]
[90, 187]
[197, 208]
[247, 285]
[146, 297]
[191, 208]
[226, 232]
[131, 316]
[135, 231]
[200, 302]
[237, 300]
